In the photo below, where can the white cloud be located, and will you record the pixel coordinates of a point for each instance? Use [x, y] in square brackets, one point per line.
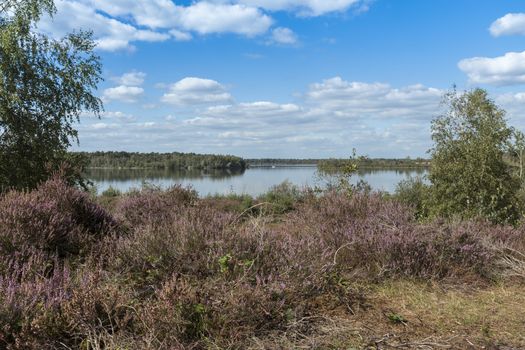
[117, 24]
[514, 105]
[284, 36]
[503, 70]
[148, 13]
[373, 99]
[180, 35]
[203, 17]
[117, 115]
[207, 18]
[510, 24]
[306, 7]
[110, 34]
[103, 126]
[194, 91]
[133, 78]
[331, 118]
[122, 93]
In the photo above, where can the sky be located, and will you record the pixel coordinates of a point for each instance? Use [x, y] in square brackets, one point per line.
[291, 78]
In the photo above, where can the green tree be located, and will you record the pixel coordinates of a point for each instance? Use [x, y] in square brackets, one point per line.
[469, 175]
[45, 84]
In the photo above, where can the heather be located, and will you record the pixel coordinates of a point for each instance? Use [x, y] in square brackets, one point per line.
[165, 269]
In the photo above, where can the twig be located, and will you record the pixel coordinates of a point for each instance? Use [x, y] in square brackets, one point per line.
[249, 209]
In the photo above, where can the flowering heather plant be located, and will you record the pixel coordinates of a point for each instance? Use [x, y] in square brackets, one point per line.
[55, 218]
[379, 238]
[150, 205]
[190, 274]
[186, 240]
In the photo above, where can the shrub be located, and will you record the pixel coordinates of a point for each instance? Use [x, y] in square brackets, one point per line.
[184, 239]
[378, 238]
[68, 309]
[148, 205]
[282, 197]
[54, 217]
[111, 192]
[232, 203]
[415, 193]
[469, 174]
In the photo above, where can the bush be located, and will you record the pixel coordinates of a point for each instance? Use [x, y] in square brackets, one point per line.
[469, 174]
[415, 193]
[111, 192]
[377, 238]
[68, 309]
[186, 240]
[232, 203]
[282, 197]
[148, 205]
[54, 218]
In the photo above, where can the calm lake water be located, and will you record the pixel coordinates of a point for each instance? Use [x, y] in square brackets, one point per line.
[253, 181]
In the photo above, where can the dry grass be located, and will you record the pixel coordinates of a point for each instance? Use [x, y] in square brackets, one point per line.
[414, 315]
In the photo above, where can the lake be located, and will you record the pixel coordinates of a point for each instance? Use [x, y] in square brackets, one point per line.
[252, 181]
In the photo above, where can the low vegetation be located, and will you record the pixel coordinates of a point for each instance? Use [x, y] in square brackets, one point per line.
[156, 269]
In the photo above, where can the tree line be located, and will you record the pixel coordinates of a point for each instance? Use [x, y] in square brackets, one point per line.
[169, 161]
[363, 162]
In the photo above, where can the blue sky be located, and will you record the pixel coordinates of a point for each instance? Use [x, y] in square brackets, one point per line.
[292, 78]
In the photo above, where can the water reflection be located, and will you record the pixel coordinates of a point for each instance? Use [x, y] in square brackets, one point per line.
[154, 175]
[253, 181]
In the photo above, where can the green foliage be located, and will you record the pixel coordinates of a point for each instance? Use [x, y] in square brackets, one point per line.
[414, 192]
[45, 84]
[112, 192]
[396, 318]
[283, 197]
[172, 161]
[363, 162]
[469, 175]
[224, 263]
[338, 173]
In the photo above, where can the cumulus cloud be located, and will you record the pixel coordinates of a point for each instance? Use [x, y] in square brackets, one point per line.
[284, 36]
[195, 91]
[110, 34]
[131, 79]
[328, 120]
[180, 35]
[117, 115]
[510, 24]
[122, 93]
[117, 24]
[207, 18]
[503, 70]
[203, 17]
[346, 98]
[514, 105]
[308, 7]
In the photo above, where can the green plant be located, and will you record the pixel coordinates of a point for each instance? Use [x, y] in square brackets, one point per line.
[338, 174]
[414, 192]
[396, 318]
[112, 192]
[224, 263]
[469, 175]
[283, 197]
[45, 84]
